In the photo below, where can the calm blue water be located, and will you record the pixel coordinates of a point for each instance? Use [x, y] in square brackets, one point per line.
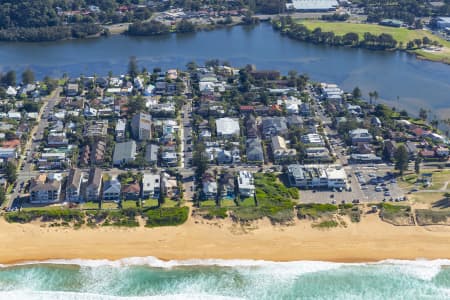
[150, 278]
[399, 78]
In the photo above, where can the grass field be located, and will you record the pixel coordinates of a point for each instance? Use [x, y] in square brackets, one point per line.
[399, 34]
[427, 199]
[439, 180]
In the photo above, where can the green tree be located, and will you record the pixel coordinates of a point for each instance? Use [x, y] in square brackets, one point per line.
[435, 123]
[28, 76]
[136, 104]
[417, 164]
[161, 198]
[357, 94]
[375, 95]
[401, 159]
[51, 84]
[199, 159]
[133, 68]
[2, 195]
[10, 78]
[185, 26]
[11, 172]
[423, 114]
[191, 66]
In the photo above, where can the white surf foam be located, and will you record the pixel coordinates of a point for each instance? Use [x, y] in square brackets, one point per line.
[56, 295]
[420, 268]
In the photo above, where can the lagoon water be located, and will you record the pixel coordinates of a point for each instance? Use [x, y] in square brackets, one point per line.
[399, 78]
[150, 278]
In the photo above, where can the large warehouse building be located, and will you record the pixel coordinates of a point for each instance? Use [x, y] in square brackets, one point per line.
[313, 5]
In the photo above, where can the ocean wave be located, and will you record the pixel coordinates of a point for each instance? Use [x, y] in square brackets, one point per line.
[57, 295]
[159, 263]
[421, 268]
[155, 262]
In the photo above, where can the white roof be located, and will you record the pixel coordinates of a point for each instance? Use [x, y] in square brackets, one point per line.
[60, 155]
[120, 125]
[333, 173]
[227, 126]
[14, 115]
[150, 181]
[245, 180]
[11, 91]
[314, 4]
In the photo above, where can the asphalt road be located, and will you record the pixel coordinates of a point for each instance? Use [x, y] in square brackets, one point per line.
[25, 165]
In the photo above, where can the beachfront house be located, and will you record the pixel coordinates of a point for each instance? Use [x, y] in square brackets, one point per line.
[73, 186]
[44, 190]
[151, 185]
[246, 184]
[111, 190]
[94, 185]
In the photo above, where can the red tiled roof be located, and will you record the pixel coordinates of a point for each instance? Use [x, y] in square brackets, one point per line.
[427, 153]
[247, 107]
[11, 143]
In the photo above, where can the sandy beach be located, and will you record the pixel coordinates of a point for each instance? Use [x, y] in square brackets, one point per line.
[369, 240]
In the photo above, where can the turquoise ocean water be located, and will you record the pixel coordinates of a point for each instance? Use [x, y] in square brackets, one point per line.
[150, 278]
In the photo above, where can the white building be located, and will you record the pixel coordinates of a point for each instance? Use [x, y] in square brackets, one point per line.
[313, 139]
[227, 127]
[313, 5]
[151, 185]
[120, 130]
[111, 190]
[141, 126]
[317, 176]
[443, 22]
[8, 152]
[246, 184]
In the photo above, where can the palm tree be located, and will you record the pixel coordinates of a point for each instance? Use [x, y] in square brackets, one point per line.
[370, 97]
[435, 123]
[375, 95]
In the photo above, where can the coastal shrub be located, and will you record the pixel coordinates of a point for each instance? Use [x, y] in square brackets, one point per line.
[125, 217]
[168, 216]
[65, 215]
[396, 214]
[431, 217]
[390, 208]
[18, 217]
[272, 200]
[282, 216]
[355, 215]
[246, 214]
[267, 184]
[281, 212]
[315, 210]
[215, 212]
[95, 217]
[293, 192]
[326, 224]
